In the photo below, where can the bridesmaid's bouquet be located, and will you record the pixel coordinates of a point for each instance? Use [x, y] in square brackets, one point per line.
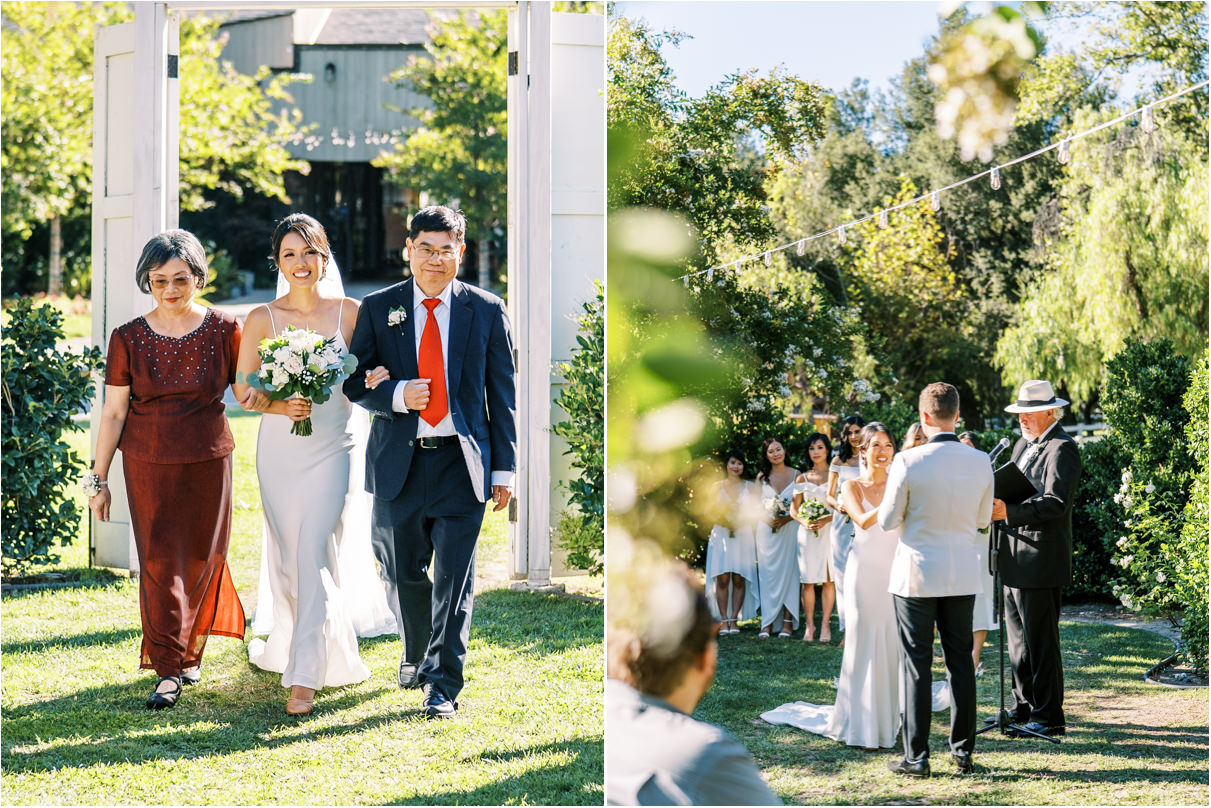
[778, 506]
[300, 362]
[813, 510]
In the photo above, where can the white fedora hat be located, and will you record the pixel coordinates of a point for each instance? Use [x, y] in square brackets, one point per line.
[1034, 396]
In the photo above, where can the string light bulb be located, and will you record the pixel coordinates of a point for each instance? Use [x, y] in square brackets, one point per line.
[801, 247]
[995, 179]
[686, 281]
[841, 236]
[769, 258]
[882, 220]
[710, 274]
[1147, 121]
[935, 201]
[1063, 155]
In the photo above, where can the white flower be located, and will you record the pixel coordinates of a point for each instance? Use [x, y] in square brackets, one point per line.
[1122, 541]
[280, 377]
[1118, 497]
[1160, 577]
[282, 354]
[396, 316]
[1127, 561]
[1149, 488]
[784, 391]
[1126, 476]
[1116, 590]
[293, 364]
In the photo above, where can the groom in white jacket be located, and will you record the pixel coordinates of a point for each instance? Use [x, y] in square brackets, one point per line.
[940, 496]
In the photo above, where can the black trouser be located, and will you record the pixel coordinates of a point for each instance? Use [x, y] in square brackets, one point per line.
[1032, 633]
[436, 518]
[915, 619]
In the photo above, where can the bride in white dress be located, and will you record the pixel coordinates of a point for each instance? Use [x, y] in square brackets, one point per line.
[777, 549]
[867, 709]
[311, 576]
[814, 539]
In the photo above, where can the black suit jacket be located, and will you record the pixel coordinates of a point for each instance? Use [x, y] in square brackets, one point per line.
[1036, 539]
[480, 387]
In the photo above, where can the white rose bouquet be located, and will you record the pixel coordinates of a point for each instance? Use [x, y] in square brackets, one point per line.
[299, 362]
[813, 510]
[777, 507]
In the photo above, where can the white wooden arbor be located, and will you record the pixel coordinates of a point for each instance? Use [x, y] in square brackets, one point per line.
[556, 219]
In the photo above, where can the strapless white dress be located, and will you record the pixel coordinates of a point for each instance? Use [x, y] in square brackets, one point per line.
[814, 548]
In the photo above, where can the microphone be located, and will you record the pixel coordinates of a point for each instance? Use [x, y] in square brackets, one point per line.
[1000, 447]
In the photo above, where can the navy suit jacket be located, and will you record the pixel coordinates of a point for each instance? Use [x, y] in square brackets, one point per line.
[480, 387]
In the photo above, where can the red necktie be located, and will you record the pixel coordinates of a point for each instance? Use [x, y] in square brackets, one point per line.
[430, 366]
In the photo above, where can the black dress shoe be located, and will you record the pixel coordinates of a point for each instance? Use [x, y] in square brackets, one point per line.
[409, 674]
[963, 762]
[191, 676]
[1039, 727]
[437, 704]
[160, 701]
[908, 768]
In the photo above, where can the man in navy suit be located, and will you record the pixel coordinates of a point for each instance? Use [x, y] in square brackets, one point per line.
[443, 439]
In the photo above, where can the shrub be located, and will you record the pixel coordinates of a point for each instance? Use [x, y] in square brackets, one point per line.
[1143, 405]
[1096, 519]
[43, 388]
[225, 277]
[1191, 580]
[583, 399]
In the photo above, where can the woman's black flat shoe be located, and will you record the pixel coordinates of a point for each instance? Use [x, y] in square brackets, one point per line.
[160, 701]
[191, 676]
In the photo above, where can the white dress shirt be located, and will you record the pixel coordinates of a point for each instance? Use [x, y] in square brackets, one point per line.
[420, 316]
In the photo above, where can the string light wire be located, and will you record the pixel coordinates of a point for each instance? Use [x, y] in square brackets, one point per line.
[839, 230]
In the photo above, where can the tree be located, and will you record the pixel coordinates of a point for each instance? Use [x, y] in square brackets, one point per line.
[458, 153]
[706, 158]
[231, 138]
[1128, 264]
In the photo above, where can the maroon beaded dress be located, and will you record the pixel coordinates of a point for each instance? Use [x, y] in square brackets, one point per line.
[176, 459]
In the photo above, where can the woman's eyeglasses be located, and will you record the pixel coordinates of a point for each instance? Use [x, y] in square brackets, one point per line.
[180, 282]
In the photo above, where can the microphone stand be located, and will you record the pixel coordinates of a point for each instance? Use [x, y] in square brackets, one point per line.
[1001, 720]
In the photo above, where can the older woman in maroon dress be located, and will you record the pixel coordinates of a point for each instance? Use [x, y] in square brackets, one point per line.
[164, 384]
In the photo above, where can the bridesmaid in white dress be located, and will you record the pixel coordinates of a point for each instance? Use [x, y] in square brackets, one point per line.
[867, 710]
[304, 482]
[731, 553]
[814, 541]
[846, 466]
[777, 548]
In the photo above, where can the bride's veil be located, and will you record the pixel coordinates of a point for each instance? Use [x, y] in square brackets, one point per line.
[365, 599]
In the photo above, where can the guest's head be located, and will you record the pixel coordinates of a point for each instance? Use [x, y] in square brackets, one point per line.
[970, 439]
[877, 445]
[1037, 408]
[938, 407]
[851, 435]
[300, 249]
[913, 437]
[819, 450]
[773, 453]
[733, 463]
[661, 637]
[172, 268]
[436, 243]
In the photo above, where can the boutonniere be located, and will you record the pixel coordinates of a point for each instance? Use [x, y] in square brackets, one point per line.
[397, 316]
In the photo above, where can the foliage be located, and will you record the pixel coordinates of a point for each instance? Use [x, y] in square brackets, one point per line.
[1129, 263]
[978, 68]
[43, 388]
[1096, 519]
[225, 276]
[231, 139]
[1165, 43]
[583, 399]
[458, 152]
[790, 346]
[707, 159]
[1190, 579]
[1143, 404]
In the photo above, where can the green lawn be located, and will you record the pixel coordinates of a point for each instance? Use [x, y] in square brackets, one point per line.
[1128, 742]
[75, 730]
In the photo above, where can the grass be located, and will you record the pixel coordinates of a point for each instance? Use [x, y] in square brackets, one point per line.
[76, 732]
[1128, 742]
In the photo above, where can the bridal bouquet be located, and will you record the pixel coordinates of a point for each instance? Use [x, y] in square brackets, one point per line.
[813, 510]
[777, 507]
[299, 362]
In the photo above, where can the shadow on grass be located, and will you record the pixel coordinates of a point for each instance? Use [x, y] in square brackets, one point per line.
[550, 784]
[112, 637]
[75, 578]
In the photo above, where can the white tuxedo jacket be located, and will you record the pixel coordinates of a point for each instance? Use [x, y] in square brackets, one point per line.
[940, 496]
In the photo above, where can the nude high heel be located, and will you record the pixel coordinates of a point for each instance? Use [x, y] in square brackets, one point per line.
[301, 701]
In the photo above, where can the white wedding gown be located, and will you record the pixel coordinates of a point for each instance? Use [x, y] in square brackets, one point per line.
[319, 587]
[869, 692]
[778, 566]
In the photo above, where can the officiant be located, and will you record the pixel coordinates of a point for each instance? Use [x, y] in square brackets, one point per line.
[1035, 557]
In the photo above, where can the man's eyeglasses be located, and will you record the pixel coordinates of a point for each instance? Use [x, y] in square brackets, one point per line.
[427, 254]
[181, 282]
